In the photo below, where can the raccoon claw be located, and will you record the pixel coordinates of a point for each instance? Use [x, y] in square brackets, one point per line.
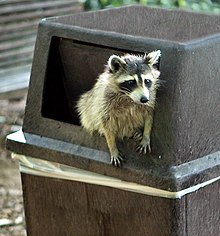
[138, 136]
[117, 160]
[143, 148]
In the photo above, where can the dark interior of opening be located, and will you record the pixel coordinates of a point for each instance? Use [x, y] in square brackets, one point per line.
[72, 69]
[54, 104]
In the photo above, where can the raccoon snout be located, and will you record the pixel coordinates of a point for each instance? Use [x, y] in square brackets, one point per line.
[144, 99]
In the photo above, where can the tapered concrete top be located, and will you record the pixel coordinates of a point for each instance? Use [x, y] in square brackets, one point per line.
[71, 52]
[163, 24]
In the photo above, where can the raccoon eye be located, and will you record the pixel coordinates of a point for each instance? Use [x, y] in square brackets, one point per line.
[131, 82]
[148, 82]
[128, 85]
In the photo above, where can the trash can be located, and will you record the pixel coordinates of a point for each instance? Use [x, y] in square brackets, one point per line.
[69, 185]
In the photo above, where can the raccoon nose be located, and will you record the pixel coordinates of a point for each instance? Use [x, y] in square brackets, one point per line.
[144, 99]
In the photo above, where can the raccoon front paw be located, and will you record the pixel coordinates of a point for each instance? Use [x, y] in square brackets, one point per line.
[144, 147]
[117, 160]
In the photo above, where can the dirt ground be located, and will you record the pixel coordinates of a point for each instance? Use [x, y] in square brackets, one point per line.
[12, 221]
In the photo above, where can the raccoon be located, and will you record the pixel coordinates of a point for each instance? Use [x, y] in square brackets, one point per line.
[121, 103]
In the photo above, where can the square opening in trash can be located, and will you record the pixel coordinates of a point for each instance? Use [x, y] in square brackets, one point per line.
[72, 69]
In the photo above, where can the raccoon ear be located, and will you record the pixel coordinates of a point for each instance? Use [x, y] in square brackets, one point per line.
[115, 63]
[153, 58]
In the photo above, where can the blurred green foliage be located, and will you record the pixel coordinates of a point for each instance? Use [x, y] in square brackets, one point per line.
[199, 5]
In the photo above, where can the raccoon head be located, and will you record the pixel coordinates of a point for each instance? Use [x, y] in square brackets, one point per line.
[136, 76]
